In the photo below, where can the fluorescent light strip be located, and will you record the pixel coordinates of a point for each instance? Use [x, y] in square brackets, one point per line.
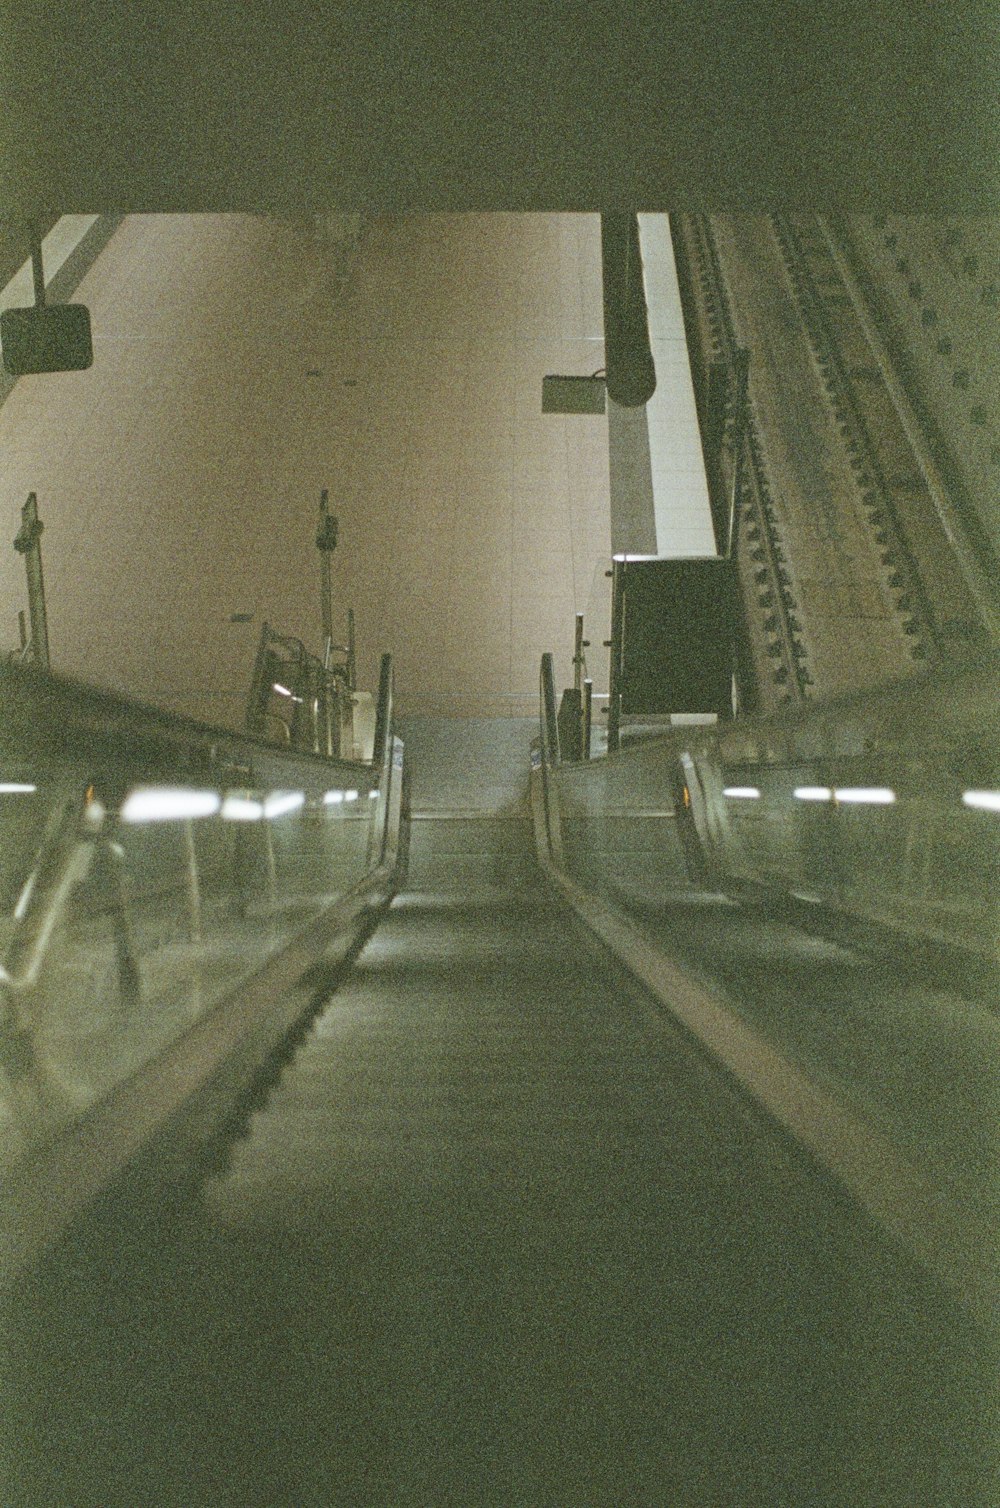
[742, 792]
[813, 793]
[242, 809]
[333, 798]
[983, 801]
[168, 804]
[16, 788]
[863, 795]
[281, 802]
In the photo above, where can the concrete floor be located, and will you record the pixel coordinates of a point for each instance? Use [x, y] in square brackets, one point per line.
[179, 478]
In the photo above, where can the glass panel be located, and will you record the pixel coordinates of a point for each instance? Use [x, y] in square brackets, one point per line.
[147, 913]
[884, 814]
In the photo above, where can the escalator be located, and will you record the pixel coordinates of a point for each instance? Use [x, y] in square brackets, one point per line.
[497, 1232]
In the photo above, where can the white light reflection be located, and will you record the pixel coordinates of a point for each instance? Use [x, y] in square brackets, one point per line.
[742, 792]
[813, 793]
[281, 802]
[242, 809]
[281, 690]
[373, 795]
[16, 788]
[333, 798]
[983, 801]
[350, 795]
[166, 804]
[865, 795]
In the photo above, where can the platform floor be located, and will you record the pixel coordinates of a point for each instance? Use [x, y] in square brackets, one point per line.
[179, 479]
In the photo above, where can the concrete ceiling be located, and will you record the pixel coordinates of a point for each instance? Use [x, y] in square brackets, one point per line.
[307, 105]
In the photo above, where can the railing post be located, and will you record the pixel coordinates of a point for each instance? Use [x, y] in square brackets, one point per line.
[588, 706]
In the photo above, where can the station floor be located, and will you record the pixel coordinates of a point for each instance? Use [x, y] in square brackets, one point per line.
[234, 378]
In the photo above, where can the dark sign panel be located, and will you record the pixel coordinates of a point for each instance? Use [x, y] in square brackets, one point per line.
[572, 395]
[677, 636]
[46, 338]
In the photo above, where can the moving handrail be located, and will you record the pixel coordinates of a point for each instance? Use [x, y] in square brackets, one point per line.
[172, 896]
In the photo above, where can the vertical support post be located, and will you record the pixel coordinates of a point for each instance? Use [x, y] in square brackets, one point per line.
[578, 654]
[383, 714]
[588, 715]
[28, 544]
[326, 543]
[351, 663]
[37, 270]
[549, 742]
[617, 640]
[550, 720]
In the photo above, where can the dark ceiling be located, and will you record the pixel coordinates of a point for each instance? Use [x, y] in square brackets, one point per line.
[300, 107]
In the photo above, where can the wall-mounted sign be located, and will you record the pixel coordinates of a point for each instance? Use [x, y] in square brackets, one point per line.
[46, 338]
